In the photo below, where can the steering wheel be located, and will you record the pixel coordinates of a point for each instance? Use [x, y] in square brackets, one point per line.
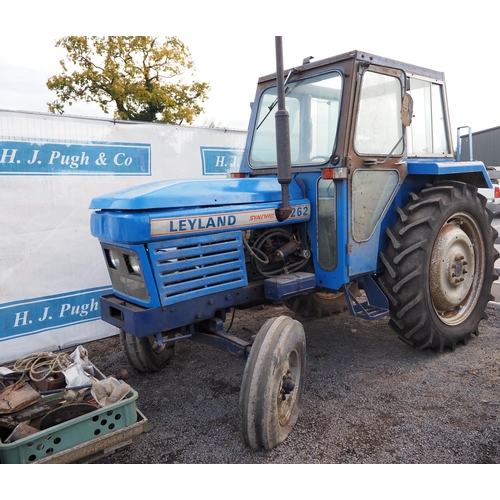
[319, 159]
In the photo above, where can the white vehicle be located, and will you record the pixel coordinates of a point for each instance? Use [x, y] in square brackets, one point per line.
[492, 194]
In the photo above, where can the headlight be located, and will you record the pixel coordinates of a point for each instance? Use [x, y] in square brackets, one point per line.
[133, 264]
[113, 258]
[125, 271]
[120, 260]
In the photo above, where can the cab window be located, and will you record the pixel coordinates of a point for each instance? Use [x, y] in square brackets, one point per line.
[427, 134]
[313, 105]
[378, 124]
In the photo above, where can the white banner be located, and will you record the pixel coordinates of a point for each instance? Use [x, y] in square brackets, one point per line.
[52, 271]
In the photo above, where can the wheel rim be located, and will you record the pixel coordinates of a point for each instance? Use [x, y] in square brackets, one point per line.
[157, 348]
[457, 269]
[287, 401]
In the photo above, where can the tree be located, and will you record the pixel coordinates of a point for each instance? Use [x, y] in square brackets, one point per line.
[137, 77]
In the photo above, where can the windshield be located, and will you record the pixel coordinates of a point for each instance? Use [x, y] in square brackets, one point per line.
[314, 108]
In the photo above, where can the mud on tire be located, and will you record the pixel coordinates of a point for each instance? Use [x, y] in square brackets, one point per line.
[273, 381]
[320, 304]
[440, 266]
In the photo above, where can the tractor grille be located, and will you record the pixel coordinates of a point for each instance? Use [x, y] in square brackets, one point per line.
[200, 265]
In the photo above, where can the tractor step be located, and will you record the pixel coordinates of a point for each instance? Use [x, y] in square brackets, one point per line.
[287, 285]
[377, 305]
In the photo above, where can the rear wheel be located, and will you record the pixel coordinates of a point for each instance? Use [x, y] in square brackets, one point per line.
[320, 304]
[145, 354]
[440, 266]
[273, 382]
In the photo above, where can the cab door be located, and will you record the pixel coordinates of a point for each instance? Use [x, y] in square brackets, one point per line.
[376, 162]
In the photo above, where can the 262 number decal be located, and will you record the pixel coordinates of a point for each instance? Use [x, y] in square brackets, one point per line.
[302, 211]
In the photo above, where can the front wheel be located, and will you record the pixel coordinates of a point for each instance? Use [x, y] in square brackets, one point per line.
[440, 266]
[273, 382]
[145, 354]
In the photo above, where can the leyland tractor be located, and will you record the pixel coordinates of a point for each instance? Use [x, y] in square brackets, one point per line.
[348, 197]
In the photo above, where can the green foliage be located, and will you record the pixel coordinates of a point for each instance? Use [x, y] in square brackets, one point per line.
[136, 77]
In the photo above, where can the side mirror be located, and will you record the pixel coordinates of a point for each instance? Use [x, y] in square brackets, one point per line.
[407, 110]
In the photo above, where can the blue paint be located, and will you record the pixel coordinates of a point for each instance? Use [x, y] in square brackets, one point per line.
[419, 166]
[196, 193]
[138, 227]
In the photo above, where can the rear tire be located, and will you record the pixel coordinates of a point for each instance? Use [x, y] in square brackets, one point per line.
[320, 304]
[440, 266]
[144, 353]
[273, 382]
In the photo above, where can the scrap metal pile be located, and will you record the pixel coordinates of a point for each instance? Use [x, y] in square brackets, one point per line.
[43, 391]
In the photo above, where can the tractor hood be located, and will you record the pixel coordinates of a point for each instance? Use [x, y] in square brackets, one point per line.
[195, 193]
[183, 207]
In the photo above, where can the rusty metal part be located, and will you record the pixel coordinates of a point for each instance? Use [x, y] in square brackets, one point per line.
[20, 432]
[80, 396]
[65, 413]
[291, 376]
[329, 295]
[457, 270]
[17, 397]
[287, 386]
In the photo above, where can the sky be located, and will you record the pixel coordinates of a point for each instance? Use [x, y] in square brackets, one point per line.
[231, 49]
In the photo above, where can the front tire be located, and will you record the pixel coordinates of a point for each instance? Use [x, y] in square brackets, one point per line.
[273, 382]
[440, 266]
[145, 354]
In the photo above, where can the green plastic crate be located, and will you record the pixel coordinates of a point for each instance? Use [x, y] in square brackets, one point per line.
[68, 434]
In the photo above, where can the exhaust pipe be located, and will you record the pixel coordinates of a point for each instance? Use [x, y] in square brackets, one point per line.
[282, 138]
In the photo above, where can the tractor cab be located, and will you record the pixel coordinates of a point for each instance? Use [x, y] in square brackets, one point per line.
[372, 126]
[352, 111]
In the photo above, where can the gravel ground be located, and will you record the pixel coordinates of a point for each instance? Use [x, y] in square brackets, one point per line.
[368, 399]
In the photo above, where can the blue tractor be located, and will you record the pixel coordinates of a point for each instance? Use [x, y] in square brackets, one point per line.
[348, 197]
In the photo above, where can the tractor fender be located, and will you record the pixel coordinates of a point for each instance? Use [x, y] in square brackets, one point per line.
[470, 172]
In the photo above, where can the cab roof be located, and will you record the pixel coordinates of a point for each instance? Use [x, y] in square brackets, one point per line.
[364, 57]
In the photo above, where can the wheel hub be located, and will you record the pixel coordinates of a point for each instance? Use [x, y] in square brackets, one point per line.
[457, 268]
[452, 268]
[286, 394]
[287, 386]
